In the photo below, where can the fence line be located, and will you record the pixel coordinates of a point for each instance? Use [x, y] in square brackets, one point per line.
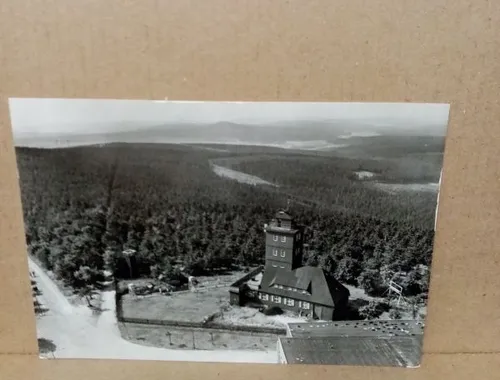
[213, 326]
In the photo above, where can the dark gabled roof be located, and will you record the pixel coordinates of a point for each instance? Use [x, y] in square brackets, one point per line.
[373, 351]
[322, 289]
[297, 279]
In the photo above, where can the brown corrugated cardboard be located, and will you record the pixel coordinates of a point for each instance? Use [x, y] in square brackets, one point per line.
[430, 51]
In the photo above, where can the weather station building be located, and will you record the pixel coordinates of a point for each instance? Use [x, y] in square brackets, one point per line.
[285, 282]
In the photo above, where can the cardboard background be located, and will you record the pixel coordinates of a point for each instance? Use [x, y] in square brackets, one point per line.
[325, 50]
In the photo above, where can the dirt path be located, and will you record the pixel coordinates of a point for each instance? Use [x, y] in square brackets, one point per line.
[54, 299]
[78, 333]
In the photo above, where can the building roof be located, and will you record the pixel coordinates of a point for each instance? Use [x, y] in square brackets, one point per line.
[281, 230]
[308, 283]
[283, 215]
[370, 328]
[373, 351]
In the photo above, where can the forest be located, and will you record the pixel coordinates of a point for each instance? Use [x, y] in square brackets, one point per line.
[84, 206]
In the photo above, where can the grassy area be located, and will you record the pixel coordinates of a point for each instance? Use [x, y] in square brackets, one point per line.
[211, 295]
[182, 306]
[201, 339]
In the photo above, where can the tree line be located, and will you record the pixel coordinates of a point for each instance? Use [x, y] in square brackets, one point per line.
[84, 206]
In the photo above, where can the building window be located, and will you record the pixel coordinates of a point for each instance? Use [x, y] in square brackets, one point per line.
[283, 253]
[275, 266]
[298, 236]
[275, 237]
[264, 297]
[276, 299]
[275, 252]
[290, 302]
[283, 239]
[306, 305]
[282, 267]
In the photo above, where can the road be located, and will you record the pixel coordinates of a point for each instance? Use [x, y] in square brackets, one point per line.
[78, 333]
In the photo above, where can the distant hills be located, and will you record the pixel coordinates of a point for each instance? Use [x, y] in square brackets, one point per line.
[296, 135]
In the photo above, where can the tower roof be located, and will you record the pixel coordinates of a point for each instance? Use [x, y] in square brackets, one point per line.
[283, 215]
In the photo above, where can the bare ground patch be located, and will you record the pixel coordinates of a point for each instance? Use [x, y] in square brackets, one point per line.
[247, 316]
[200, 339]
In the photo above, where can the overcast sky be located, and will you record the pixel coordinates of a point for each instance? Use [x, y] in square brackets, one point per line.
[90, 116]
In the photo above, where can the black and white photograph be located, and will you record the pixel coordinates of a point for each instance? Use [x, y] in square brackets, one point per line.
[244, 232]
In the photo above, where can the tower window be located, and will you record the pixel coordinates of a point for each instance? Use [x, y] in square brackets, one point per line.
[275, 237]
[275, 252]
[283, 253]
[283, 239]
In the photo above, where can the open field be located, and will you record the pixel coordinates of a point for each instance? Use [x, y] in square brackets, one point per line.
[418, 187]
[211, 295]
[181, 306]
[239, 176]
[193, 338]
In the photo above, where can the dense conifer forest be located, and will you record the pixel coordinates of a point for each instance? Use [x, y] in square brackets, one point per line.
[84, 206]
